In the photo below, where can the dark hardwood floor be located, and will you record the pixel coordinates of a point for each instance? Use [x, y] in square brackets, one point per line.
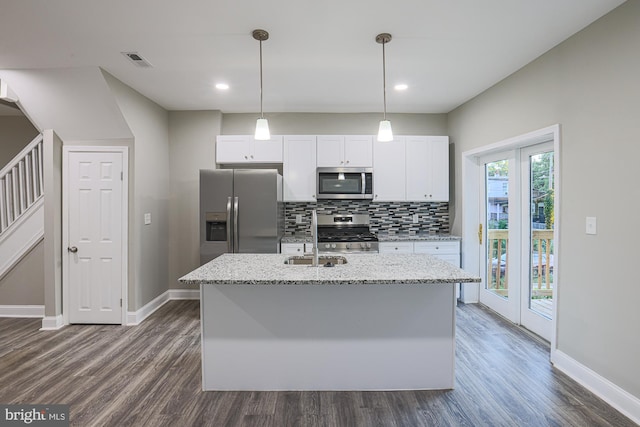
[149, 375]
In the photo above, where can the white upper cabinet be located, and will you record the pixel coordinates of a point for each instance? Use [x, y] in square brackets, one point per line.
[245, 149]
[345, 151]
[389, 183]
[299, 168]
[427, 168]
[412, 168]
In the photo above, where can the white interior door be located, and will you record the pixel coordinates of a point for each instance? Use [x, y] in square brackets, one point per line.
[95, 221]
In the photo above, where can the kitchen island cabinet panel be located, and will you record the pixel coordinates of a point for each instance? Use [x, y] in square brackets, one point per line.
[349, 337]
[378, 322]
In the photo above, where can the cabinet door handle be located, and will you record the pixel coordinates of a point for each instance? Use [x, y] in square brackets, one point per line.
[347, 161]
[73, 249]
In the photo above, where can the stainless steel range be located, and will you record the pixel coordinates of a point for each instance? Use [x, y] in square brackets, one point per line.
[345, 233]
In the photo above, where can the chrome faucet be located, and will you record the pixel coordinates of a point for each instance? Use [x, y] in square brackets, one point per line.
[314, 237]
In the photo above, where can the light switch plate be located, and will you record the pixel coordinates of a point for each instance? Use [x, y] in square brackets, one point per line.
[591, 225]
[298, 219]
[416, 218]
[147, 219]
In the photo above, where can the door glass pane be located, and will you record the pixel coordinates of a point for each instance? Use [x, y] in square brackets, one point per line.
[541, 232]
[497, 221]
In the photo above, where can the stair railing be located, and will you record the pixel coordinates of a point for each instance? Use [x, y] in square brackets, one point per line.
[21, 183]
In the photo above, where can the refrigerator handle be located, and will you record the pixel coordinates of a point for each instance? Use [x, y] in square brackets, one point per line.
[236, 238]
[229, 235]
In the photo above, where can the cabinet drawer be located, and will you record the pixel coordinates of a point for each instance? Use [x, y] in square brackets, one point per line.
[395, 247]
[437, 248]
[292, 248]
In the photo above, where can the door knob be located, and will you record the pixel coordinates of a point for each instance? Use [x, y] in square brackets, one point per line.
[73, 249]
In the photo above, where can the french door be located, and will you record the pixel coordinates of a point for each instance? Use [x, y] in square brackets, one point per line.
[517, 220]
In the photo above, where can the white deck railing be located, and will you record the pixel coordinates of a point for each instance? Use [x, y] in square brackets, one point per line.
[21, 184]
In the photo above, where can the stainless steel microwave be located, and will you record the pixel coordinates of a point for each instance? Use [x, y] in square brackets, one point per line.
[345, 183]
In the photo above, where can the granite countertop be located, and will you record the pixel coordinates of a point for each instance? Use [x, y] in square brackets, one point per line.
[385, 237]
[270, 269]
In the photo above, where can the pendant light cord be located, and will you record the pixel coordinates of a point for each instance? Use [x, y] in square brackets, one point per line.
[261, 114]
[384, 82]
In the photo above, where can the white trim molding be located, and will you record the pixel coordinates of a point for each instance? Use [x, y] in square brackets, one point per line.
[21, 310]
[615, 396]
[137, 317]
[52, 323]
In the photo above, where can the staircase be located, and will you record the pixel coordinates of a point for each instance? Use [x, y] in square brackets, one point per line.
[21, 205]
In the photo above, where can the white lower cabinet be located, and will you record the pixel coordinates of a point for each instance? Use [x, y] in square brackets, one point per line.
[292, 248]
[445, 250]
[395, 247]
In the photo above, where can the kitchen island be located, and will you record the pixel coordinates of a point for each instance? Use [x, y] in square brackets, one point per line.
[378, 322]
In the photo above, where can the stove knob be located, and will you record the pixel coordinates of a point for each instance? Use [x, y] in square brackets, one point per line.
[333, 246]
[326, 245]
[368, 245]
[363, 245]
[347, 245]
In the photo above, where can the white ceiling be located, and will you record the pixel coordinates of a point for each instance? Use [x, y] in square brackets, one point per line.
[321, 55]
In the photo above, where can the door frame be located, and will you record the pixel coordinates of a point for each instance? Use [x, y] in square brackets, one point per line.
[471, 198]
[124, 151]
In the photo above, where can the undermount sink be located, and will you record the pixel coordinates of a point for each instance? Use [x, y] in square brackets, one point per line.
[323, 260]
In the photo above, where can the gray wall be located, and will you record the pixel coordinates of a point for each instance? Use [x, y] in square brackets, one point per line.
[192, 136]
[149, 172]
[24, 283]
[335, 124]
[590, 85]
[15, 133]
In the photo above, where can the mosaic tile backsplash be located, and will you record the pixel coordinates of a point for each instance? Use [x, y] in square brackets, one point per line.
[389, 217]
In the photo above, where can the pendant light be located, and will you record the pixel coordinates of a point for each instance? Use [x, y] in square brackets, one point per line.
[262, 125]
[384, 131]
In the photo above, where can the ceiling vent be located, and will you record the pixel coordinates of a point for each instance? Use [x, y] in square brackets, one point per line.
[137, 59]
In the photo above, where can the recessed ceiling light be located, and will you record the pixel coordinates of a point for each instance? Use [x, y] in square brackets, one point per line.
[401, 87]
[222, 86]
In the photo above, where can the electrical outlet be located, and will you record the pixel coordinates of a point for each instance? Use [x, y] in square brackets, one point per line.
[298, 219]
[416, 218]
[147, 219]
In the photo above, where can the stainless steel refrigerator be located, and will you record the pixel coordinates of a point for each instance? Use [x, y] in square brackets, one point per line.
[241, 211]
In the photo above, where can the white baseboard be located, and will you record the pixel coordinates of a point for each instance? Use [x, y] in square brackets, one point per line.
[21, 310]
[193, 294]
[615, 396]
[136, 317]
[52, 323]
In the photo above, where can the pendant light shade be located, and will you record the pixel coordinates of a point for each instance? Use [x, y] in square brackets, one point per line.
[385, 134]
[262, 125]
[262, 130]
[384, 131]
